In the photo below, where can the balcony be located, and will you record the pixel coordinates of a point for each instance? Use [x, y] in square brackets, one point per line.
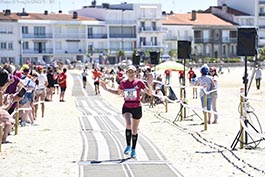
[203, 40]
[262, 14]
[150, 45]
[97, 36]
[119, 48]
[71, 35]
[147, 17]
[121, 22]
[152, 29]
[38, 51]
[229, 40]
[261, 2]
[70, 51]
[37, 35]
[127, 35]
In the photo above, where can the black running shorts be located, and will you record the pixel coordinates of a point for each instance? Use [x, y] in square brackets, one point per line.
[136, 112]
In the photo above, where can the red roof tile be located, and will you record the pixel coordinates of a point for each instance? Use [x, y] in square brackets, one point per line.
[39, 16]
[201, 19]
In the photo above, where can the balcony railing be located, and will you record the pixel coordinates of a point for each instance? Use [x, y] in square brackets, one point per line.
[262, 14]
[121, 22]
[150, 44]
[146, 17]
[97, 36]
[70, 51]
[127, 35]
[261, 2]
[229, 40]
[37, 35]
[119, 48]
[38, 51]
[152, 29]
[70, 35]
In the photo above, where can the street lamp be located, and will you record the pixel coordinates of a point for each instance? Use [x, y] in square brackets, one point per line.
[122, 47]
[20, 55]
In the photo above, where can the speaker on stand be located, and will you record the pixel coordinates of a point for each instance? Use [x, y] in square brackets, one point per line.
[247, 44]
[136, 59]
[184, 51]
[155, 57]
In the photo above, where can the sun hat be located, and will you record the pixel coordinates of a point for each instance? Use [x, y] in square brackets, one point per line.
[213, 68]
[39, 67]
[131, 67]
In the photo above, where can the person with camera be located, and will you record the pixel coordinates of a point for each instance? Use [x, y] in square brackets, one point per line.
[131, 88]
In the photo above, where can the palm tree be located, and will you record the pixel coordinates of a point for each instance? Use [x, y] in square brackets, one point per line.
[172, 53]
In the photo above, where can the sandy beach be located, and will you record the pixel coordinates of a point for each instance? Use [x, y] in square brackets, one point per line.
[53, 148]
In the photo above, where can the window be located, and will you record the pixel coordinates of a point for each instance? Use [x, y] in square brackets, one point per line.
[153, 26]
[224, 50]
[25, 45]
[197, 34]
[153, 40]
[39, 31]
[3, 45]
[10, 45]
[25, 30]
[142, 41]
[90, 32]
[233, 34]
[2, 29]
[142, 26]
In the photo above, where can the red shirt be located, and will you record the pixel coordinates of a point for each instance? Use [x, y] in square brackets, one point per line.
[191, 73]
[132, 91]
[96, 75]
[181, 73]
[62, 79]
[167, 72]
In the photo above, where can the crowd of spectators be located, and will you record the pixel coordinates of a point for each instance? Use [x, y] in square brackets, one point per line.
[23, 89]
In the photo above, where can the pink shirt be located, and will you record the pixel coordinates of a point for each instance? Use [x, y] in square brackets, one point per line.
[132, 92]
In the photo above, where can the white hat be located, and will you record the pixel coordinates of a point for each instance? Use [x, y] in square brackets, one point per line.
[131, 67]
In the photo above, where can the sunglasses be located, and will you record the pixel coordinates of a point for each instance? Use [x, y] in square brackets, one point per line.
[130, 71]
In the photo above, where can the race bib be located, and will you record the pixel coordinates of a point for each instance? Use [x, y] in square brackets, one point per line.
[130, 94]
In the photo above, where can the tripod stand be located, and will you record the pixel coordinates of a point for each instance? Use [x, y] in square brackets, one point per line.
[182, 110]
[246, 125]
[244, 112]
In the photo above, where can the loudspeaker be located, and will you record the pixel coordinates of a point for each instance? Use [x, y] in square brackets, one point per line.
[136, 59]
[184, 49]
[246, 41]
[155, 56]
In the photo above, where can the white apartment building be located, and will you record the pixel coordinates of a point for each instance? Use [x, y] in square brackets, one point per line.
[210, 36]
[39, 37]
[129, 26]
[255, 18]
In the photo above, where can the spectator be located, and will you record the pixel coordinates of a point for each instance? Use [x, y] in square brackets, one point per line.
[190, 74]
[40, 91]
[214, 94]
[258, 76]
[50, 86]
[193, 83]
[167, 75]
[27, 99]
[207, 85]
[62, 83]
[181, 77]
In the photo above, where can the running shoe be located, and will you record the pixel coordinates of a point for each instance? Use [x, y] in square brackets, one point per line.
[127, 150]
[133, 153]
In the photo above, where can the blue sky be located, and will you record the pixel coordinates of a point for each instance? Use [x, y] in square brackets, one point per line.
[181, 6]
